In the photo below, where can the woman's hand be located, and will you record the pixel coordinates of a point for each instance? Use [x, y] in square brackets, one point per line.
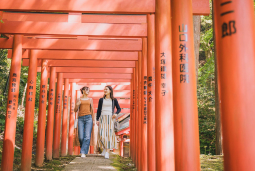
[97, 123]
[114, 116]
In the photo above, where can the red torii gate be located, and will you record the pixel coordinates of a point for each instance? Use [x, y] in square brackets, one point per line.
[182, 29]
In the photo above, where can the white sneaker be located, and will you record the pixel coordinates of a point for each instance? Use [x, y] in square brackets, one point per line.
[106, 155]
[83, 155]
[103, 153]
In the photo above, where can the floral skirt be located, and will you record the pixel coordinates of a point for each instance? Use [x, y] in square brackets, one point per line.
[106, 134]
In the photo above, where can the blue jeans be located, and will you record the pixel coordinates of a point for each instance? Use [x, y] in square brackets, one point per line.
[85, 124]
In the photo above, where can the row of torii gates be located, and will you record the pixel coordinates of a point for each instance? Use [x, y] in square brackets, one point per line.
[152, 49]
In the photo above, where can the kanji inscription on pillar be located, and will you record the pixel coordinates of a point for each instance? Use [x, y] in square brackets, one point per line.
[183, 55]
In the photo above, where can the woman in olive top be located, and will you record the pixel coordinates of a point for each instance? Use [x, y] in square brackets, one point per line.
[85, 120]
[105, 115]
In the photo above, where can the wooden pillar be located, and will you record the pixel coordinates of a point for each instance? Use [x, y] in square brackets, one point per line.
[151, 94]
[235, 41]
[144, 107]
[139, 164]
[131, 118]
[26, 157]
[137, 109]
[57, 121]
[134, 114]
[42, 115]
[65, 116]
[164, 93]
[121, 146]
[187, 150]
[50, 117]
[71, 120]
[76, 148]
[12, 105]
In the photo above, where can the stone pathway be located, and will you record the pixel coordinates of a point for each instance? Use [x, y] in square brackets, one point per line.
[92, 162]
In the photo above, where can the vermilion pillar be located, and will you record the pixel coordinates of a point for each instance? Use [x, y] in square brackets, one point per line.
[235, 43]
[185, 90]
[164, 92]
[137, 114]
[12, 105]
[144, 107]
[50, 117]
[42, 115]
[134, 114]
[65, 116]
[57, 122]
[27, 144]
[139, 164]
[131, 117]
[121, 146]
[71, 120]
[76, 148]
[151, 94]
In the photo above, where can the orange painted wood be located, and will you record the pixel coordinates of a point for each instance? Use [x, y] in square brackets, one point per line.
[101, 87]
[57, 120]
[164, 95]
[64, 118]
[50, 116]
[71, 119]
[236, 68]
[116, 94]
[87, 6]
[200, 7]
[27, 143]
[39, 157]
[186, 126]
[76, 44]
[92, 70]
[98, 55]
[11, 111]
[97, 75]
[151, 146]
[79, 29]
[85, 18]
[86, 63]
[99, 80]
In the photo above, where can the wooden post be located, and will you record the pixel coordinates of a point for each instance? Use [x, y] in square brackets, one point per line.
[57, 125]
[64, 118]
[187, 150]
[26, 157]
[42, 115]
[50, 117]
[235, 41]
[163, 87]
[144, 107]
[12, 105]
[71, 120]
[151, 94]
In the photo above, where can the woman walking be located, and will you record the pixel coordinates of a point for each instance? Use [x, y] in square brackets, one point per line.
[85, 120]
[105, 115]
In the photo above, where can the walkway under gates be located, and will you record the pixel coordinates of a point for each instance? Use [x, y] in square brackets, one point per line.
[144, 49]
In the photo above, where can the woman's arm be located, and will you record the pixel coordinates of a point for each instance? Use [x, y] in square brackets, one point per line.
[117, 106]
[93, 114]
[99, 108]
[77, 104]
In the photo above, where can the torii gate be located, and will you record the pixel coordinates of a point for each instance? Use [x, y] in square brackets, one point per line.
[139, 119]
[167, 157]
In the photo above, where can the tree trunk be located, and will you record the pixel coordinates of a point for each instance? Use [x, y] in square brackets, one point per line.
[219, 150]
[196, 24]
[23, 96]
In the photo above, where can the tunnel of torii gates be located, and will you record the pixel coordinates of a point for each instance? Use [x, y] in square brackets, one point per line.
[148, 57]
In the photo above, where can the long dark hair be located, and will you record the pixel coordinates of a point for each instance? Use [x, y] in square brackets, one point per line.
[111, 94]
[84, 88]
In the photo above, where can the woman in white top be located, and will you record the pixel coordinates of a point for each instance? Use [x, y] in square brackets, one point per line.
[105, 115]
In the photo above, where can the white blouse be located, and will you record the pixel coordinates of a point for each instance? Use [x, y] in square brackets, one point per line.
[107, 107]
